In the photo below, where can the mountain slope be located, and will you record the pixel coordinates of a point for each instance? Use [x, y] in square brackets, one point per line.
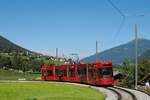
[8, 46]
[119, 53]
[145, 55]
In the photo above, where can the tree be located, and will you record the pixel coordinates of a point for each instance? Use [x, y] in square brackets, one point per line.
[127, 69]
[143, 68]
[16, 62]
[5, 61]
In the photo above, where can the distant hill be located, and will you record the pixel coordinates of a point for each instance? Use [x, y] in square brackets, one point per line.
[145, 55]
[8, 46]
[119, 53]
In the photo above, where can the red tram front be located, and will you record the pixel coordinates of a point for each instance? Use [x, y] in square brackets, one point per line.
[104, 73]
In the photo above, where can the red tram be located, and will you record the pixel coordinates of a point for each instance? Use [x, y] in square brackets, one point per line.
[100, 73]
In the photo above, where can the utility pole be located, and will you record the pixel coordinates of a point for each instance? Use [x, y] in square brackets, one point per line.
[56, 53]
[136, 57]
[96, 51]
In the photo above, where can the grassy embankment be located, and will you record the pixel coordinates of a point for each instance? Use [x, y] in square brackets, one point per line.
[12, 75]
[47, 91]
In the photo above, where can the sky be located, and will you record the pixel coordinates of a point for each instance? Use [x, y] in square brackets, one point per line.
[72, 26]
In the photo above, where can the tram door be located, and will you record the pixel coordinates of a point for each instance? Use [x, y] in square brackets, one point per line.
[61, 75]
[92, 74]
[45, 73]
[82, 74]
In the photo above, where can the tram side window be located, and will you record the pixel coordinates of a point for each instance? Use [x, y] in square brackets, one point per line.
[57, 72]
[64, 72]
[91, 73]
[50, 73]
[61, 72]
[82, 72]
[79, 72]
[44, 73]
[71, 73]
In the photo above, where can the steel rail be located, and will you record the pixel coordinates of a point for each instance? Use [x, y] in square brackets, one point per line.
[116, 92]
[130, 93]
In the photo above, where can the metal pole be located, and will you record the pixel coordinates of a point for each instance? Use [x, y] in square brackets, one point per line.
[87, 73]
[136, 55]
[56, 53]
[96, 50]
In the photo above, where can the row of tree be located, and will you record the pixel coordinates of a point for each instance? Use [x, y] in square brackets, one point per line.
[24, 62]
[127, 68]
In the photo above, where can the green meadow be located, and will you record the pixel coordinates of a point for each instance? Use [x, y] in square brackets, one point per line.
[47, 91]
[12, 75]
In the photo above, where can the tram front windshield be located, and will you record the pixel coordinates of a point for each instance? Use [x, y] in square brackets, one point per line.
[105, 72]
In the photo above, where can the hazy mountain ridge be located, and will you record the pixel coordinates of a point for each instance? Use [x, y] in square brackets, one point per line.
[116, 54]
[119, 53]
[145, 55]
[8, 46]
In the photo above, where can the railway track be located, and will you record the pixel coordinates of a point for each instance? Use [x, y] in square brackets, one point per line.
[113, 93]
[139, 95]
[123, 94]
[119, 97]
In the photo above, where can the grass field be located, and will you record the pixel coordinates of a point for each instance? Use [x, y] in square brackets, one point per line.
[47, 91]
[11, 75]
